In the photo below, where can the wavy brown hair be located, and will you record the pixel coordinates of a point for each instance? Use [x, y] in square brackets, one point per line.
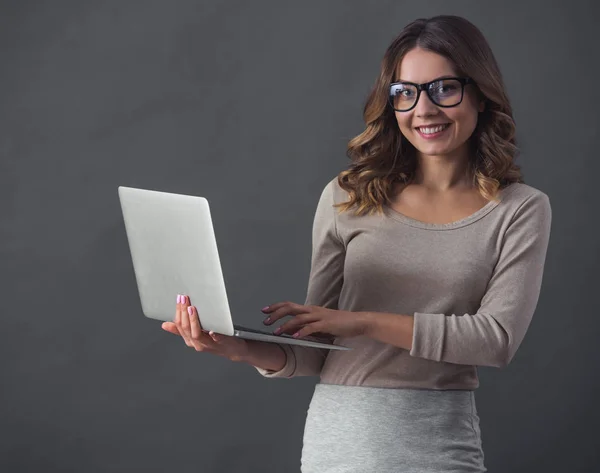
[382, 158]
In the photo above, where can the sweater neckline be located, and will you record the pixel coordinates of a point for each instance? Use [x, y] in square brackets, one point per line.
[477, 215]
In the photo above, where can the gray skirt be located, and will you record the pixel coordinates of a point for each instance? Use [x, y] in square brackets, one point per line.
[352, 429]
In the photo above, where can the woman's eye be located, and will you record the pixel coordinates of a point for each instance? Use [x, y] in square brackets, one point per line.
[445, 89]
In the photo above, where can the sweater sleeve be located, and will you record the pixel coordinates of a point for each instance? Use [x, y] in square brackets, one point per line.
[492, 336]
[324, 286]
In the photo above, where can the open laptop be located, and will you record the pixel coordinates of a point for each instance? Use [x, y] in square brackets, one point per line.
[174, 251]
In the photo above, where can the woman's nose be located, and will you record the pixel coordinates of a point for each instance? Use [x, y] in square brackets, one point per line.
[425, 106]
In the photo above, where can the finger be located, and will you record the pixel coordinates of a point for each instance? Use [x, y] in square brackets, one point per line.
[177, 319]
[291, 326]
[195, 327]
[184, 322]
[216, 337]
[185, 319]
[200, 340]
[309, 330]
[171, 328]
[274, 311]
[278, 311]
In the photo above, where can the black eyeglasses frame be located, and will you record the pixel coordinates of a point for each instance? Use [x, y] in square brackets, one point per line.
[425, 86]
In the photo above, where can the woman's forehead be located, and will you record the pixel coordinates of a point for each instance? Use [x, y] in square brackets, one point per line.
[419, 65]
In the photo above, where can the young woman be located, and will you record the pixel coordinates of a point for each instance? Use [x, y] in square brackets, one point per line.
[428, 256]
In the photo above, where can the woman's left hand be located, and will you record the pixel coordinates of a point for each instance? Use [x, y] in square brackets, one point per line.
[310, 319]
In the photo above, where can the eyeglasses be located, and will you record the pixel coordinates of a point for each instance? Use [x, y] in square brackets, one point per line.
[447, 92]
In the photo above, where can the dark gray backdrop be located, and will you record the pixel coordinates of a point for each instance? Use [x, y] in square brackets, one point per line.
[251, 104]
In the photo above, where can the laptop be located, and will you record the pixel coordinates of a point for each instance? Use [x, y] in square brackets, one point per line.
[174, 251]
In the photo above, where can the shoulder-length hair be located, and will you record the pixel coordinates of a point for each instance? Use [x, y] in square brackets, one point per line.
[382, 158]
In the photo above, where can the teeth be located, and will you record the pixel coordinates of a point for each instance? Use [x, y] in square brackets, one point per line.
[436, 129]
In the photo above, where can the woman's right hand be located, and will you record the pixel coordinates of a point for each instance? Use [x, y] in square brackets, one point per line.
[187, 325]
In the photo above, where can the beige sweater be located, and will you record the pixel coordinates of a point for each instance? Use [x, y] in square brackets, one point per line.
[472, 286]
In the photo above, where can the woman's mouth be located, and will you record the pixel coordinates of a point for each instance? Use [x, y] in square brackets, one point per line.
[431, 132]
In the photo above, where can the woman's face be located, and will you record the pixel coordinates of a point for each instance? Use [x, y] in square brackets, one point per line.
[420, 66]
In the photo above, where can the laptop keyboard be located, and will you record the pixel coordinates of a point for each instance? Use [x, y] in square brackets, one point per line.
[253, 330]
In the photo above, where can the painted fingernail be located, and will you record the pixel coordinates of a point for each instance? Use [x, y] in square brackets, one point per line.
[183, 299]
[296, 335]
[265, 308]
[276, 332]
[179, 298]
[267, 320]
[190, 310]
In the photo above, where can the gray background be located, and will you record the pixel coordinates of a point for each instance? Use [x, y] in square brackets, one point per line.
[251, 104]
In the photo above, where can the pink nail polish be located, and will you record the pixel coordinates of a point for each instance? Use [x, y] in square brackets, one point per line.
[265, 308]
[190, 310]
[178, 299]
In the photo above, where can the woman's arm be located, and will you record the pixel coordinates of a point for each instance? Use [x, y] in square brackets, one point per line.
[324, 286]
[265, 355]
[394, 329]
[492, 336]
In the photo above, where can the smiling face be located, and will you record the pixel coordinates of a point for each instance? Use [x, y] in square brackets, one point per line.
[419, 66]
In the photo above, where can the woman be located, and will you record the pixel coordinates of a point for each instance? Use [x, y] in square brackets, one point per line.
[431, 266]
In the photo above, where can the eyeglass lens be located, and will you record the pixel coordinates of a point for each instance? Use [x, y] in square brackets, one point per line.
[445, 92]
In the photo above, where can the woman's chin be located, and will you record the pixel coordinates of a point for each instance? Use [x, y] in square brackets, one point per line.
[438, 149]
[434, 150]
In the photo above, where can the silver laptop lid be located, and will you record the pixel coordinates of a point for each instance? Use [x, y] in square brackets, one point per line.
[174, 251]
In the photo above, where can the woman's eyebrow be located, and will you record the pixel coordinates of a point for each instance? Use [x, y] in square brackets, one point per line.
[445, 76]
